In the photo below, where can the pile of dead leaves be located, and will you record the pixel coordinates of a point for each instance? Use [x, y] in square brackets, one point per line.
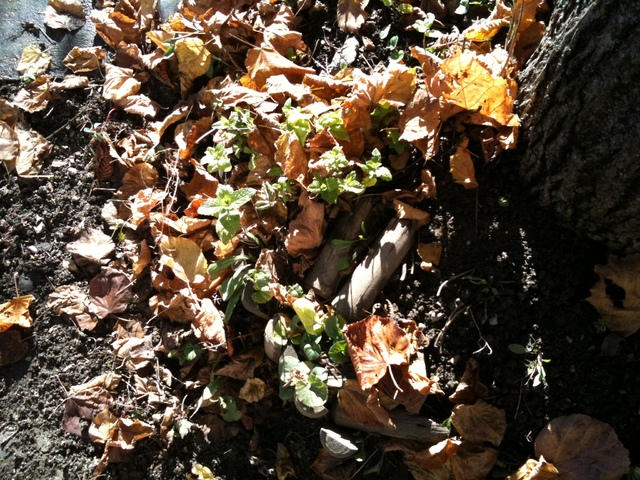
[222, 205]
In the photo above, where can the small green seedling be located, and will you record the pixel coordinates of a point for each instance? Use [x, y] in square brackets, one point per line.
[536, 373]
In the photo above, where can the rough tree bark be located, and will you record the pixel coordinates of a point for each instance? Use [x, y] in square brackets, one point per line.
[580, 107]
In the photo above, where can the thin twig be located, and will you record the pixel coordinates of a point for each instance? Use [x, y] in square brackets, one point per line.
[456, 313]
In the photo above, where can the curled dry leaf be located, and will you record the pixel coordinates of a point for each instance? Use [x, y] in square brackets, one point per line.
[84, 60]
[284, 465]
[375, 344]
[429, 458]
[103, 426]
[480, 422]
[407, 212]
[265, 62]
[430, 254]
[535, 470]
[69, 82]
[16, 312]
[253, 390]
[583, 448]
[616, 295]
[461, 166]
[93, 247]
[33, 62]
[65, 14]
[351, 15]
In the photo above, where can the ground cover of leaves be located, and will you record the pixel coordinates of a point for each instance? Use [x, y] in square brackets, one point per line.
[508, 291]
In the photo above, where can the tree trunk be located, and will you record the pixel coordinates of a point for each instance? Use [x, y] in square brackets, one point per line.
[580, 108]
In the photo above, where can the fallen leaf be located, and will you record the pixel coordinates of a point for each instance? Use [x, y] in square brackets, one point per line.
[103, 426]
[535, 470]
[353, 402]
[129, 432]
[430, 458]
[284, 465]
[65, 14]
[184, 257]
[9, 113]
[480, 422]
[616, 295]
[265, 62]
[35, 97]
[328, 467]
[471, 462]
[139, 177]
[430, 254]
[351, 15]
[253, 390]
[137, 352]
[461, 166]
[375, 344]
[139, 105]
[583, 448]
[85, 401]
[208, 326]
[470, 388]
[306, 230]
[92, 247]
[110, 292]
[33, 62]
[16, 312]
[12, 347]
[420, 123]
[84, 59]
[243, 366]
[9, 146]
[407, 212]
[69, 82]
[291, 157]
[194, 61]
[119, 83]
[33, 149]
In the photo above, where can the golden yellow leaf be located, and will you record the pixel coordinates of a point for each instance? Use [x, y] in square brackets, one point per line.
[430, 254]
[16, 312]
[485, 29]
[535, 470]
[616, 295]
[33, 62]
[184, 257]
[461, 167]
[194, 60]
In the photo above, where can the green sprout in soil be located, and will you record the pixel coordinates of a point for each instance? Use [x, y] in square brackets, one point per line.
[536, 374]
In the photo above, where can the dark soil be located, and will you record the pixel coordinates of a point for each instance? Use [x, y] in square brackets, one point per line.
[523, 277]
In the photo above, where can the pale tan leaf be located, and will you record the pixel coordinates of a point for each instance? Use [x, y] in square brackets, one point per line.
[619, 310]
[33, 62]
[9, 146]
[139, 105]
[129, 432]
[480, 422]
[253, 390]
[103, 426]
[93, 247]
[83, 60]
[184, 257]
[535, 470]
[65, 14]
[69, 82]
[430, 254]
[583, 448]
[33, 149]
[407, 212]
[16, 312]
[34, 97]
[119, 83]
[208, 325]
[351, 15]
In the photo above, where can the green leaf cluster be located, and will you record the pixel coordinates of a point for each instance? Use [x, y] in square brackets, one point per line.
[225, 207]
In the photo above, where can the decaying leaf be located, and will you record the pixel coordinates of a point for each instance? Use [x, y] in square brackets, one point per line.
[72, 300]
[110, 292]
[284, 465]
[253, 390]
[616, 295]
[480, 422]
[470, 462]
[535, 470]
[12, 347]
[351, 15]
[93, 247]
[85, 401]
[429, 458]
[306, 230]
[430, 254]
[375, 344]
[16, 312]
[583, 448]
[65, 14]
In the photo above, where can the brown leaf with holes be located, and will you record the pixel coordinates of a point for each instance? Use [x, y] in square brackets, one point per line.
[583, 448]
[480, 422]
[375, 344]
[616, 295]
[110, 292]
[352, 15]
[535, 470]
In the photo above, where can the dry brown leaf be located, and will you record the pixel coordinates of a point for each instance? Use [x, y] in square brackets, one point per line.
[33, 149]
[141, 259]
[306, 230]
[65, 14]
[103, 426]
[583, 448]
[92, 247]
[616, 295]
[351, 15]
[129, 432]
[461, 167]
[284, 465]
[471, 462]
[69, 82]
[480, 422]
[430, 254]
[136, 352]
[9, 113]
[360, 407]
[184, 257]
[84, 60]
[253, 390]
[110, 292]
[194, 60]
[407, 212]
[265, 62]
[12, 347]
[291, 157]
[33, 62]
[430, 458]
[139, 105]
[34, 97]
[119, 83]
[16, 312]
[115, 26]
[329, 467]
[141, 204]
[243, 366]
[208, 326]
[535, 470]
[420, 123]
[470, 388]
[87, 400]
[138, 177]
[9, 146]
[408, 385]
[375, 344]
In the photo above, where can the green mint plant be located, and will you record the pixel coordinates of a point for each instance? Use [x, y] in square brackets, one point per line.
[235, 128]
[374, 170]
[297, 121]
[334, 122]
[330, 188]
[217, 159]
[225, 207]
